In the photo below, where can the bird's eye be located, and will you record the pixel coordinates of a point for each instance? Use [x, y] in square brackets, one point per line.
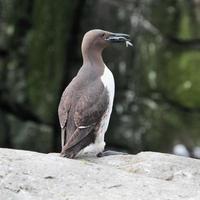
[103, 34]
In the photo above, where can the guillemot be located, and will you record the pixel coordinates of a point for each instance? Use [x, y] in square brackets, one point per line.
[86, 103]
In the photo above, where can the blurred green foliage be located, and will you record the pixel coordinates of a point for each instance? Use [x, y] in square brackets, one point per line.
[46, 55]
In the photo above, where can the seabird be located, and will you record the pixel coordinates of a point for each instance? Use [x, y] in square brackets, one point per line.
[86, 103]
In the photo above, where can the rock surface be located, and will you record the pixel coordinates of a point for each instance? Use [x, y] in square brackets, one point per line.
[26, 175]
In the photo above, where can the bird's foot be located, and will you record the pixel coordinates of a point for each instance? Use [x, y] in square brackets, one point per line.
[110, 153]
[67, 154]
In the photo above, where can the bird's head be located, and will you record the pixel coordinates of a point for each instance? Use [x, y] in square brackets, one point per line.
[97, 40]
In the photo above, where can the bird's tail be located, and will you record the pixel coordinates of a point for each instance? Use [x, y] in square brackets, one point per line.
[71, 150]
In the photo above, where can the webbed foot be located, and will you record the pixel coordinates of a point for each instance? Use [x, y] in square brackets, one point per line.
[110, 153]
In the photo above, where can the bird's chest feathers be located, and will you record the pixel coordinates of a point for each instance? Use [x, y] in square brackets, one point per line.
[108, 82]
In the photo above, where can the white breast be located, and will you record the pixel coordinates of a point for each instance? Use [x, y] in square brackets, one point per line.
[108, 81]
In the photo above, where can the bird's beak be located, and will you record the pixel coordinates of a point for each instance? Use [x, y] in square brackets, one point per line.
[119, 38]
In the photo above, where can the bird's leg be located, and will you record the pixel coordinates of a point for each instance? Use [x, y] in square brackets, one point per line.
[62, 137]
[110, 153]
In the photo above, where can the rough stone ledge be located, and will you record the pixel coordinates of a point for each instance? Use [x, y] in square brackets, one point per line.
[26, 175]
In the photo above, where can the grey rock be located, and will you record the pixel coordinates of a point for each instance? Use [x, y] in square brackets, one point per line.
[26, 175]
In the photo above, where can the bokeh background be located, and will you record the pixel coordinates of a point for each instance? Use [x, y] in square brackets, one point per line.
[157, 103]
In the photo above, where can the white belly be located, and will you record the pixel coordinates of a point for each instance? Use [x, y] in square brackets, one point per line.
[99, 144]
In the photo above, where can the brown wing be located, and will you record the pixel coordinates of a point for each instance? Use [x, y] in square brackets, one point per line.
[87, 114]
[67, 100]
[92, 105]
[64, 106]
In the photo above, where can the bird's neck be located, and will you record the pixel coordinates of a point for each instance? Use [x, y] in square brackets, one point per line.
[93, 57]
